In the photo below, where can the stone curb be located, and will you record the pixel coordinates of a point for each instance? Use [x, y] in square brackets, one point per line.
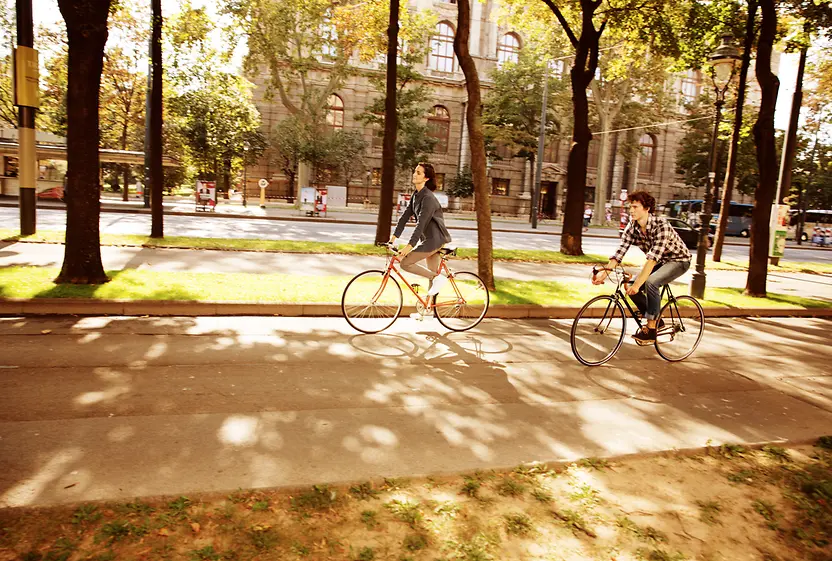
[93, 307]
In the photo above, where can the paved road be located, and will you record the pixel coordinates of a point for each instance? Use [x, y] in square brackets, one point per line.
[207, 226]
[117, 258]
[111, 408]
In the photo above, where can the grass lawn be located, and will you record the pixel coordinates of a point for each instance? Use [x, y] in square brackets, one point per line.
[737, 503]
[137, 284]
[288, 246]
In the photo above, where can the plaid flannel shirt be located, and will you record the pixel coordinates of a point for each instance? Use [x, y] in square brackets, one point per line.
[660, 243]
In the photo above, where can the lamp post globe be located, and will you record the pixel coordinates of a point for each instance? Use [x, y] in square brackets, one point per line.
[724, 61]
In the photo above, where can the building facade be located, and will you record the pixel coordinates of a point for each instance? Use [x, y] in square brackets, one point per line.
[653, 167]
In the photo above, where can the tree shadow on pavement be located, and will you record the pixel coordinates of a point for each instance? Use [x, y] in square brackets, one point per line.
[113, 407]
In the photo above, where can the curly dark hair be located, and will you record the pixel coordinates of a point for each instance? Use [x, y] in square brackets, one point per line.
[430, 175]
[646, 199]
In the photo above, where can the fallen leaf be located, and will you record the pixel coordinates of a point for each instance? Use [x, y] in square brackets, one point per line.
[195, 527]
[164, 532]
[46, 331]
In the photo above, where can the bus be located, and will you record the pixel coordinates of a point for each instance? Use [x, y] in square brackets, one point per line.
[739, 215]
[813, 219]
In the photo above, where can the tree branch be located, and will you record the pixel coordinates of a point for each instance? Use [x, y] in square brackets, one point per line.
[563, 22]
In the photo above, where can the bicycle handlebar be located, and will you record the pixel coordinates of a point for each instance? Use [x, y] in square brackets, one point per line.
[627, 276]
[389, 246]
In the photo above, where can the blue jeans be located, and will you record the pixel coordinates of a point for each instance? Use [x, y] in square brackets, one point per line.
[648, 298]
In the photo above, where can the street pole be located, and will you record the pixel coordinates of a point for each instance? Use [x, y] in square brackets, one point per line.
[26, 98]
[791, 138]
[541, 146]
[697, 283]
[245, 174]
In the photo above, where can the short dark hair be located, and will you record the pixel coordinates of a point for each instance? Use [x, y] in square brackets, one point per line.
[644, 198]
[430, 175]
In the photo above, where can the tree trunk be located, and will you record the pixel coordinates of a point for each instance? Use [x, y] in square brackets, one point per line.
[766, 153]
[727, 191]
[86, 23]
[599, 216]
[476, 139]
[157, 177]
[391, 124]
[126, 185]
[582, 73]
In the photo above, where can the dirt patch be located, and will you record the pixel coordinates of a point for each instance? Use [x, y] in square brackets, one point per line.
[728, 504]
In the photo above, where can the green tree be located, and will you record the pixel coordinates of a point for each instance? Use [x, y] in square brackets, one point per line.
[8, 112]
[123, 86]
[220, 124]
[346, 154]
[288, 141]
[462, 184]
[413, 144]
[693, 157]
[86, 23]
[52, 115]
[511, 109]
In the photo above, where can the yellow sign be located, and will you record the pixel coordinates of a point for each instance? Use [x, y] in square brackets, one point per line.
[26, 69]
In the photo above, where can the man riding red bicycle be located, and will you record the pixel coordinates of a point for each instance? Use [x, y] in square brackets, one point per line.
[667, 259]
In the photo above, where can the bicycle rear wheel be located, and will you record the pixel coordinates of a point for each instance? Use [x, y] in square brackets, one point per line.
[684, 323]
[462, 302]
[370, 302]
[598, 331]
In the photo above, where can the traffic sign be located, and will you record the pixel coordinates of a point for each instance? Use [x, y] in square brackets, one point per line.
[263, 183]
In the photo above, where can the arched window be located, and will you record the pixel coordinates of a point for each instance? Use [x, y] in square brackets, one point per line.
[508, 49]
[335, 112]
[647, 160]
[439, 127]
[441, 56]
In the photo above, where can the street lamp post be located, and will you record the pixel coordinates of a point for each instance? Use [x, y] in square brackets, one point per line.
[724, 63]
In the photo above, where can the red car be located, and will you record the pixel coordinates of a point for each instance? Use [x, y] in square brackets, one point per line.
[56, 193]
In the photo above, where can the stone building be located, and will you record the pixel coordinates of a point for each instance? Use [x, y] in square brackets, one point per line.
[510, 179]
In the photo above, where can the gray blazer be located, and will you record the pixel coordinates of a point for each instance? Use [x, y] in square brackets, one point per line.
[430, 223]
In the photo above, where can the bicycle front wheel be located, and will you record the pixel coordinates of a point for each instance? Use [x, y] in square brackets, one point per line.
[684, 323]
[371, 302]
[598, 331]
[462, 302]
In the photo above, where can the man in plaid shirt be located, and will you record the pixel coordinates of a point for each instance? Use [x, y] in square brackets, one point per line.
[667, 259]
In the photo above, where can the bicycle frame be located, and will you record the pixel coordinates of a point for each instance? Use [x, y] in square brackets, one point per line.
[428, 303]
[620, 296]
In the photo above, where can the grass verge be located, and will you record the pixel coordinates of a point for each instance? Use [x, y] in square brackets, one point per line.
[138, 284]
[288, 246]
[673, 507]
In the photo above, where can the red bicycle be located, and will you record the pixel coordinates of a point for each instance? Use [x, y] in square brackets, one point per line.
[373, 300]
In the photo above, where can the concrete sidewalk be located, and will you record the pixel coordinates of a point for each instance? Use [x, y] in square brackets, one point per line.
[115, 408]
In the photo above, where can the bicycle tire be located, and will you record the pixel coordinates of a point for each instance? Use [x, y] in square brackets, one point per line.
[598, 331]
[367, 306]
[462, 303]
[680, 336]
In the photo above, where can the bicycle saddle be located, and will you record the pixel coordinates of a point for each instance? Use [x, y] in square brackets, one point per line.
[448, 251]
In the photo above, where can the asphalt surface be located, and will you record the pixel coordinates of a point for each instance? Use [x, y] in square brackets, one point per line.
[206, 225]
[114, 408]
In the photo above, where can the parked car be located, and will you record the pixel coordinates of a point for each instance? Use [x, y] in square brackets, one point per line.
[56, 193]
[688, 233]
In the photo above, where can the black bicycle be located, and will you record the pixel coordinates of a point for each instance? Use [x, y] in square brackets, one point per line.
[600, 326]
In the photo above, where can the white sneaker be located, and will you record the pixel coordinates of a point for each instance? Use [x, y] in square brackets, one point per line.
[437, 284]
[417, 316]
